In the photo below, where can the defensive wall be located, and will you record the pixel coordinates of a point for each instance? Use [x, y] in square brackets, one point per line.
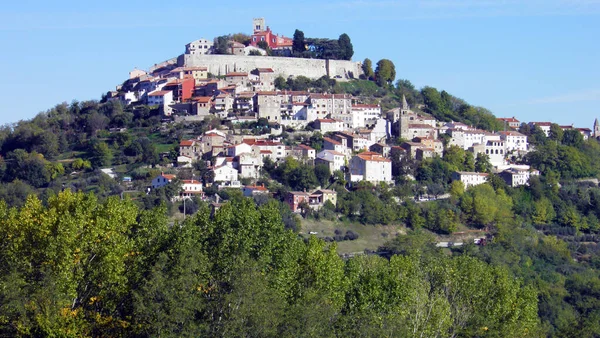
[285, 66]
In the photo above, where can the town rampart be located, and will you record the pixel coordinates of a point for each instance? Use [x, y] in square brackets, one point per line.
[285, 66]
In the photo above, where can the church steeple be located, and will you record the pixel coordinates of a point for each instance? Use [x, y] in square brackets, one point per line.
[405, 104]
[596, 128]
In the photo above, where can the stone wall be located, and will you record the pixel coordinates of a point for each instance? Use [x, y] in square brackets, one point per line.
[285, 66]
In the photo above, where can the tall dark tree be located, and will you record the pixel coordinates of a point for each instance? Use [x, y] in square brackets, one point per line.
[345, 45]
[298, 44]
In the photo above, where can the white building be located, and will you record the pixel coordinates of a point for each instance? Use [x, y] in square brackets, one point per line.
[513, 140]
[199, 47]
[329, 125]
[469, 179]
[225, 173]
[372, 167]
[545, 126]
[190, 189]
[162, 98]
[365, 115]
[335, 160]
[495, 150]
[516, 177]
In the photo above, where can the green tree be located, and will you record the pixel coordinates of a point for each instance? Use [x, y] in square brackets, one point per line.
[345, 46]
[482, 163]
[101, 155]
[367, 67]
[385, 73]
[298, 43]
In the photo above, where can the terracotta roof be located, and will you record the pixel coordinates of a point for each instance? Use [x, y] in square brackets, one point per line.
[213, 135]
[236, 74]
[327, 120]
[266, 93]
[246, 95]
[160, 93]
[332, 152]
[372, 156]
[508, 119]
[330, 140]
[191, 181]
[304, 146]
[257, 187]
[167, 176]
[266, 152]
[511, 133]
[265, 70]
[202, 99]
[186, 143]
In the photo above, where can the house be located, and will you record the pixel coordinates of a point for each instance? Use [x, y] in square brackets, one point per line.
[248, 165]
[200, 47]
[335, 145]
[182, 89]
[295, 198]
[162, 180]
[190, 188]
[421, 130]
[469, 179]
[252, 190]
[261, 32]
[238, 149]
[328, 125]
[515, 177]
[372, 167]
[495, 150]
[381, 148]
[266, 79]
[365, 114]
[268, 106]
[224, 173]
[545, 126]
[429, 142]
[223, 104]
[236, 48]
[512, 122]
[334, 159]
[201, 105]
[514, 141]
[425, 153]
[234, 78]
[191, 149]
[302, 151]
[324, 195]
[212, 139]
[162, 98]
[244, 102]
[199, 74]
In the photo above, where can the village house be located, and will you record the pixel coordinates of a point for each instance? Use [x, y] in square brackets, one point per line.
[200, 47]
[511, 122]
[235, 78]
[381, 148]
[225, 173]
[544, 126]
[295, 198]
[161, 98]
[495, 150]
[515, 177]
[371, 167]
[431, 143]
[223, 104]
[365, 115]
[162, 180]
[302, 151]
[336, 145]
[469, 179]
[190, 188]
[328, 125]
[253, 190]
[244, 102]
[191, 149]
[268, 106]
[199, 74]
[248, 165]
[333, 159]
[201, 105]
[514, 141]
[266, 80]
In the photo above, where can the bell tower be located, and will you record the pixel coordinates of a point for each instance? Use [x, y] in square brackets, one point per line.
[596, 129]
[258, 24]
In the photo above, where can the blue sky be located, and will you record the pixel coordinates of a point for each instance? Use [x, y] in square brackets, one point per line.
[534, 59]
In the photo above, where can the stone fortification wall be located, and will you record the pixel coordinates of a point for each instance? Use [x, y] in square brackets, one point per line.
[172, 61]
[285, 66]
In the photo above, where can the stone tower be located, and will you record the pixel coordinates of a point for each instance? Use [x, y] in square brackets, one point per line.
[596, 129]
[258, 25]
[404, 117]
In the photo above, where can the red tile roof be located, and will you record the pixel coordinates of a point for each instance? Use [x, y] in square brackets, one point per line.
[160, 93]
[372, 156]
[186, 143]
[236, 74]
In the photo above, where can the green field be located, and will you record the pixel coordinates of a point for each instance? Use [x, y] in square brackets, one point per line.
[370, 236]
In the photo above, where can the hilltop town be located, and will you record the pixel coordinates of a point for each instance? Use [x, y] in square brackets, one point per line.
[361, 140]
[266, 185]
